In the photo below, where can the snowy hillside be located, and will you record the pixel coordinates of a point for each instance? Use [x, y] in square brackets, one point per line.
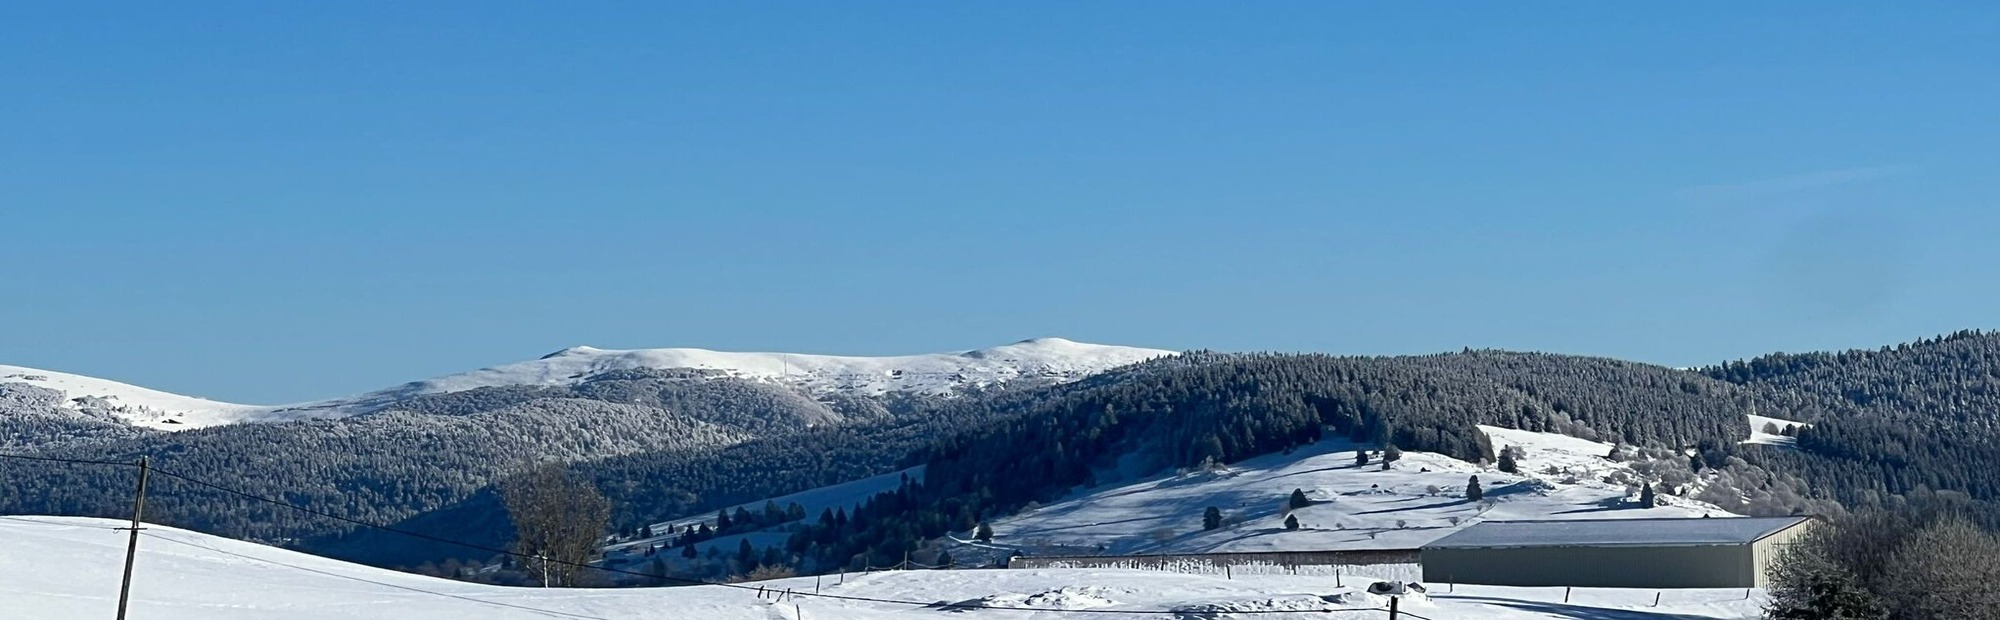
[1758, 434]
[134, 404]
[54, 567]
[1047, 359]
[1418, 499]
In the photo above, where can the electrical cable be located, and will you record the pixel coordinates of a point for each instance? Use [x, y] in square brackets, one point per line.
[940, 605]
[550, 612]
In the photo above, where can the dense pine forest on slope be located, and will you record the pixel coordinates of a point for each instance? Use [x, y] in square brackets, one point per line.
[1222, 407]
[1207, 407]
[426, 453]
[1902, 421]
[1922, 416]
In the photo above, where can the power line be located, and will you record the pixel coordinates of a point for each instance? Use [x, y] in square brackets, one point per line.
[550, 612]
[760, 590]
[40, 522]
[47, 459]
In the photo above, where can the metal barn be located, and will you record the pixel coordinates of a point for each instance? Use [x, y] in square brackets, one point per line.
[1617, 553]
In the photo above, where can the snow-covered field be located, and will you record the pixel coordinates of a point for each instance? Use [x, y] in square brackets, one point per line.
[1418, 499]
[54, 567]
[1758, 436]
[1052, 359]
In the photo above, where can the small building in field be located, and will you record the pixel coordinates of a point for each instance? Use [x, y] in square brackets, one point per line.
[1615, 553]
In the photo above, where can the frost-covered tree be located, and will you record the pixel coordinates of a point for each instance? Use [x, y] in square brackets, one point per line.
[1809, 583]
[558, 519]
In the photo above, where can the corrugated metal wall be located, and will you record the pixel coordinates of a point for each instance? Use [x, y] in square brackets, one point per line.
[1725, 566]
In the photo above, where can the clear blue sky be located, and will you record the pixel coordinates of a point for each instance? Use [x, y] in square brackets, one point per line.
[271, 202]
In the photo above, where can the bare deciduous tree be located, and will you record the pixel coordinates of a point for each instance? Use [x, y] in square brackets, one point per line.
[556, 516]
[1946, 572]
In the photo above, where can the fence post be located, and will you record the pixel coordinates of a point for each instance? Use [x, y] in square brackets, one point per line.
[816, 580]
[1225, 572]
[1656, 598]
[1392, 606]
[1566, 594]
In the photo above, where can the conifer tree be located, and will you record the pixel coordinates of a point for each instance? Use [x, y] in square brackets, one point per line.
[1211, 519]
[1298, 500]
[984, 534]
[1472, 490]
[1291, 522]
[1646, 497]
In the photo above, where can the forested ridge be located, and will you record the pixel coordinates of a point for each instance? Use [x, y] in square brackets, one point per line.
[1891, 421]
[1871, 447]
[421, 455]
[1901, 421]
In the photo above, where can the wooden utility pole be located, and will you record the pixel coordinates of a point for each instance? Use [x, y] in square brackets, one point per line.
[132, 546]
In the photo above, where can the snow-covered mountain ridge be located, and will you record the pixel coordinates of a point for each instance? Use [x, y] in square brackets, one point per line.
[1047, 359]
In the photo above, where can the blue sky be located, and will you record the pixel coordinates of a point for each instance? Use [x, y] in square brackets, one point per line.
[271, 202]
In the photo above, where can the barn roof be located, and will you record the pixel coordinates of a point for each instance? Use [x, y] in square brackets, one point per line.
[1616, 533]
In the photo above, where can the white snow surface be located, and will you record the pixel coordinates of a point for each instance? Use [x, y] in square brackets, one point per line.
[132, 403]
[60, 567]
[1052, 359]
[1758, 436]
[1353, 507]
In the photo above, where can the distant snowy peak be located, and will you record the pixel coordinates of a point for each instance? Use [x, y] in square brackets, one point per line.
[1046, 359]
[131, 403]
[1051, 359]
